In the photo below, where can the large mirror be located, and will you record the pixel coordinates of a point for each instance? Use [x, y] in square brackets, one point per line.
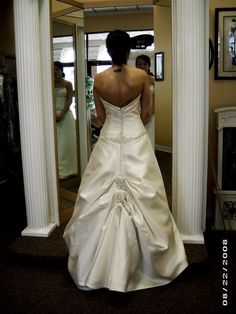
[66, 115]
[139, 19]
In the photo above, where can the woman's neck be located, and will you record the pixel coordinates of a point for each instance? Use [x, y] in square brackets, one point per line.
[118, 68]
[59, 80]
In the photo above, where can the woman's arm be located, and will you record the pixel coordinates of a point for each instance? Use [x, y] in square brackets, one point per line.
[152, 95]
[145, 101]
[100, 110]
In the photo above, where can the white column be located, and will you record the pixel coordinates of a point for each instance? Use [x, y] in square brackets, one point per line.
[45, 21]
[29, 80]
[190, 116]
[81, 90]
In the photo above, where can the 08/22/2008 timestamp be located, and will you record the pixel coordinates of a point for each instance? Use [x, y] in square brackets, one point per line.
[225, 272]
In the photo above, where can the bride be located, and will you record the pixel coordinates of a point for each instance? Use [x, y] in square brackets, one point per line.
[122, 235]
[143, 62]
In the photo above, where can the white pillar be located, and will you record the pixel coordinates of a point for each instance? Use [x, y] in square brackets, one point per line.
[48, 106]
[81, 90]
[29, 80]
[190, 116]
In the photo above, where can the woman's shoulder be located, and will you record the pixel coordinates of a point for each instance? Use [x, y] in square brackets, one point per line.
[151, 79]
[135, 70]
[67, 84]
[137, 73]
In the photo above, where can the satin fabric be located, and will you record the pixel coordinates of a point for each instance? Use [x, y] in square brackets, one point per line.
[66, 138]
[122, 235]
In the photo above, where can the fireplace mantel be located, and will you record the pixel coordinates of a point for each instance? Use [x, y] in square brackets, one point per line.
[226, 117]
[225, 215]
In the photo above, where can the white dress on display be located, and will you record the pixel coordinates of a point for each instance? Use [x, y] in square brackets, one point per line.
[122, 235]
[150, 126]
[66, 137]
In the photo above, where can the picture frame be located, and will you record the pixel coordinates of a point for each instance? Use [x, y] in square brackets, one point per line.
[211, 54]
[225, 43]
[159, 66]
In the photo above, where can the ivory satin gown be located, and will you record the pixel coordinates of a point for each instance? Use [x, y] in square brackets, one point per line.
[66, 138]
[122, 235]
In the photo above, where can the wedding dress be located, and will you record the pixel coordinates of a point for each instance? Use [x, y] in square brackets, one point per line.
[66, 137]
[122, 235]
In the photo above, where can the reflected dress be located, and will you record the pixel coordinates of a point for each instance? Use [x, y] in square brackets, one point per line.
[150, 126]
[66, 137]
[121, 235]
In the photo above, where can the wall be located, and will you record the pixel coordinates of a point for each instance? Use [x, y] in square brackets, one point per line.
[104, 23]
[7, 38]
[162, 28]
[222, 93]
[163, 89]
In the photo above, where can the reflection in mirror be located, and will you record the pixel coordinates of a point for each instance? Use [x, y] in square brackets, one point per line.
[98, 22]
[66, 116]
[99, 60]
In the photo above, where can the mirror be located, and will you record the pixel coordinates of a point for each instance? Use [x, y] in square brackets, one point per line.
[66, 107]
[99, 59]
[100, 19]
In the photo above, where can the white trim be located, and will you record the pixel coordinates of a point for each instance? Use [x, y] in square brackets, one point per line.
[198, 239]
[41, 232]
[81, 91]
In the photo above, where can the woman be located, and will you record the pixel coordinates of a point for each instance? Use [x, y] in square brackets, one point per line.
[66, 128]
[143, 62]
[122, 235]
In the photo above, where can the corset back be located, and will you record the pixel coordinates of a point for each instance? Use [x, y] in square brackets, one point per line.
[122, 124]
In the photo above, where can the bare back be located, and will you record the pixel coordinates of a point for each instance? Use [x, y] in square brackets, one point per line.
[120, 88]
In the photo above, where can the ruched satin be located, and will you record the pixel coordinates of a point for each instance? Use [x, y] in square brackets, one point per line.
[122, 235]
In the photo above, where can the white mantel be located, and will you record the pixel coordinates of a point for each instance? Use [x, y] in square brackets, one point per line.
[226, 118]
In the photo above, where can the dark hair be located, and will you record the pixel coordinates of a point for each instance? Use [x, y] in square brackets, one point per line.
[146, 59]
[59, 65]
[118, 45]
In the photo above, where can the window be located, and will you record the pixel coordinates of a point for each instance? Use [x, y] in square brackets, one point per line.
[99, 59]
[63, 51]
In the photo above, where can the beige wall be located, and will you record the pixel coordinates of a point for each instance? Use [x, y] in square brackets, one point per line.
[7, 46]
[163, 89]
[106, 23]
[162, 28]
[222, 93]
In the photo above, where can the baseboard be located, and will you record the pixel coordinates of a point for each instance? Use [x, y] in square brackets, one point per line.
[163, 148]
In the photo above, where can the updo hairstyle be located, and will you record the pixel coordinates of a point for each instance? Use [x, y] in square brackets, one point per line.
[118, 45]
[59, 65]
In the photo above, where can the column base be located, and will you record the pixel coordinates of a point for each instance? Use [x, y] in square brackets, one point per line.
[41, 232]
[194, 239]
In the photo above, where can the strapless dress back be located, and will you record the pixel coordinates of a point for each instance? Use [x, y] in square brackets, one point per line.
[122, 235]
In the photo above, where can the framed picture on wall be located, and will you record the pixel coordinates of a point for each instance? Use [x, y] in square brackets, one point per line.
[159, 66]
[225, 44]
